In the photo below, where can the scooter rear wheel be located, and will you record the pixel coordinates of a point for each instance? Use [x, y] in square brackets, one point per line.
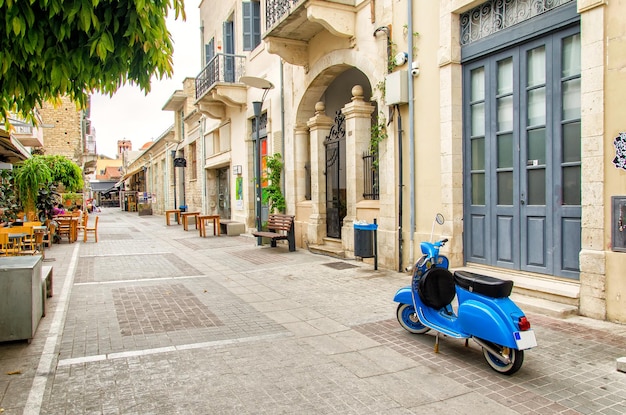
[516, 358]
[407, 317]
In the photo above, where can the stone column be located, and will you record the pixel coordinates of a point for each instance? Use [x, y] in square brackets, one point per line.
[358, 115]
[301, 157]
[593, 276]
[319, 126]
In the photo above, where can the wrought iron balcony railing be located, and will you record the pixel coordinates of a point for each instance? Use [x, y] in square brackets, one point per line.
[276, 9]
[223, 67]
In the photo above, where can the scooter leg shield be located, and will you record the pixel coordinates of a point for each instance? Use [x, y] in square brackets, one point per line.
[486, 323]
[404, 296]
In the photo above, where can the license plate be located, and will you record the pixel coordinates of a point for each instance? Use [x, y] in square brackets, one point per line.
[525, 339]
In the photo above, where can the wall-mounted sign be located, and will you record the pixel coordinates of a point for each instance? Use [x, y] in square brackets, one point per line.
[620, 151]
[180, 162]
[618, 223]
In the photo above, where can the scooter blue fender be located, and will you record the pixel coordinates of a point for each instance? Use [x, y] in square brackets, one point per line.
[485, 313]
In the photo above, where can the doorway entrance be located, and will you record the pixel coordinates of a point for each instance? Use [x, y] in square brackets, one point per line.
[336, 206]
[522, 156]
[223, 192]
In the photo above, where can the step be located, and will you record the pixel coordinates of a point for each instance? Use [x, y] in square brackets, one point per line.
[327, 250]
[333, 243]
[533, 285]
[544, 307]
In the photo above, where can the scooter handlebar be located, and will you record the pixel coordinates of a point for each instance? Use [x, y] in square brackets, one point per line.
[442, 242]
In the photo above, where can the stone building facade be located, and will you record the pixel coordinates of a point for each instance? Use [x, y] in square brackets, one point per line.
[64, 129]
[498, 117]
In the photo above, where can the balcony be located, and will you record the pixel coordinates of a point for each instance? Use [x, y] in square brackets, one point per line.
[27, 134]
[218, 86]
[90, 155]
[292, 24]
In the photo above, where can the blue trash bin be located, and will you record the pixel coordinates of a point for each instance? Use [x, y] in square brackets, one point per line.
[364, 240]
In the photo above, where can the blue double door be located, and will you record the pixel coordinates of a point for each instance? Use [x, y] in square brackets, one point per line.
[522, 156]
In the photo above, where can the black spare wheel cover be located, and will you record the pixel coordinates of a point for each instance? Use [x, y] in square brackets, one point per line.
[436, 288]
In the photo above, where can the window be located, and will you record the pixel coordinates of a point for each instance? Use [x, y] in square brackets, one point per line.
[370, 176]
[209, 51]
[193, 165]
[251, 24]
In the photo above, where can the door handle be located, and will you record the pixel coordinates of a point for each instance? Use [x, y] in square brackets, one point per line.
[522, 200]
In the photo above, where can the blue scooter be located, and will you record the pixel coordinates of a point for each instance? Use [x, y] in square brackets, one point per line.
[485, 312]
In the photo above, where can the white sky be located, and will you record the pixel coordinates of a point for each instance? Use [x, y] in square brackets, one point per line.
[132, 115]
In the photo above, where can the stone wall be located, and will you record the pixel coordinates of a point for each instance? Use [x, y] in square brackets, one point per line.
[63, 129]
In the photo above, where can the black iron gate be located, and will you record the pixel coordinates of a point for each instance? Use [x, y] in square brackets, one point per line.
[335, 177]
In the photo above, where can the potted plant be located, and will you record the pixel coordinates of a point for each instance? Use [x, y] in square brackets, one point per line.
[29, 177]
[47, 200]
[36, 174]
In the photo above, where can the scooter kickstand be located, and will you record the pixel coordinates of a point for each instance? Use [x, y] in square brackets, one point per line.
[437, 343]
[466, 342]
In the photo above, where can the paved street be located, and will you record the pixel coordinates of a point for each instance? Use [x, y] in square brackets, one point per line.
[156, 320]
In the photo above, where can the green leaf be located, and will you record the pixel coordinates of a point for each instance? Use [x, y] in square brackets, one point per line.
[85, 18]
[17, 25]
[50, 47]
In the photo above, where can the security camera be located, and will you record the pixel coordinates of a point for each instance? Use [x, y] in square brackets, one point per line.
[415, 68]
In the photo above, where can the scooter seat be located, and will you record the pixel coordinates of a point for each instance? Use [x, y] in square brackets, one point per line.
[482, 284]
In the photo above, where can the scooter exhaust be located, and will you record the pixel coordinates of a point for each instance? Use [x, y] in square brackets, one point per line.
[491, 350]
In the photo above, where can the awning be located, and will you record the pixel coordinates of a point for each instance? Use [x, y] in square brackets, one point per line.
[11, 150]
[101, 186]
[132, 173]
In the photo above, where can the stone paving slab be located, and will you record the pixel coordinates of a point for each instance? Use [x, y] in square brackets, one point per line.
[153, 319]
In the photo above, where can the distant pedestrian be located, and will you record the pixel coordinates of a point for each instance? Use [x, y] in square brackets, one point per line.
[58, 210]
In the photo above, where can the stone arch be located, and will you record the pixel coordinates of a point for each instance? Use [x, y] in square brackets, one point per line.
[324, 72]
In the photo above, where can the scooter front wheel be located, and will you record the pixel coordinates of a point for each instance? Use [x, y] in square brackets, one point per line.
[515, 356]
[407, 317]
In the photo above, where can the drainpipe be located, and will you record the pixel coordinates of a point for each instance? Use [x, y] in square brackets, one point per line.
[411, 135]
[282, 125]
[400, 187]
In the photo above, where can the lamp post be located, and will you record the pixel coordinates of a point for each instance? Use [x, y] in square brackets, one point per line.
[257, 107]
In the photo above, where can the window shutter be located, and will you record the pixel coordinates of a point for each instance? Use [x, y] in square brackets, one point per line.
[248, 32]
[256, 23]
[229, 44]
[209, 51]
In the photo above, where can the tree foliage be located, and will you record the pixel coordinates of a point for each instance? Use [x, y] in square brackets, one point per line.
[53, 48]
[65, 172]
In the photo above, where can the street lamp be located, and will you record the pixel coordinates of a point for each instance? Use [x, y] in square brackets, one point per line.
[257, 106]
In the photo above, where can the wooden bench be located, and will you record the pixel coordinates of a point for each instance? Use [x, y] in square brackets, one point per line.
[176, 213]
[280, 226]
[185, 217]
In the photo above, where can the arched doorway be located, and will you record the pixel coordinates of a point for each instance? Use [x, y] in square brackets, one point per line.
[326, 150]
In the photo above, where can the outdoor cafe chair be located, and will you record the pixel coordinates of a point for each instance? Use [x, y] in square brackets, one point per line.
[5, 247]
[93, 230]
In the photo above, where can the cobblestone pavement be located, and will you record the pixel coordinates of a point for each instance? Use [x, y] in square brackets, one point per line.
[153, 319]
